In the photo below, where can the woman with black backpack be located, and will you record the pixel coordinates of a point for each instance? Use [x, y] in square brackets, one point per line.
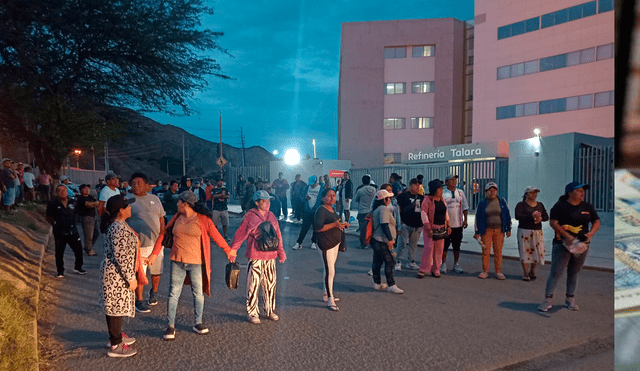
[264, 244]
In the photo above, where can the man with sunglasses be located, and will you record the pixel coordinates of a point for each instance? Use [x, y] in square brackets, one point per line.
[458, 209]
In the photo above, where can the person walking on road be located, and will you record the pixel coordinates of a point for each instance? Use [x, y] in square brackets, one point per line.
[118, 273]
[570, 218]
[192, 230]
[530, 214]
[458, 209]
[297, 201]
[330, 231]
[220, 197]
[492, 222]
[313, 200]
[280, 187]
[382, 242]
[363, 197]
[61, 214]
[147, 220]
[410, 204]
[347, 195]
[261, 270]
[87, 205]
[435, 220]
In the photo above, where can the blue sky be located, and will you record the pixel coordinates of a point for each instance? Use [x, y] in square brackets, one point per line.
[285, 61]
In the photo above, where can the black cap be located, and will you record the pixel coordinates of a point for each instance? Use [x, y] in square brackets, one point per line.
[117, 202]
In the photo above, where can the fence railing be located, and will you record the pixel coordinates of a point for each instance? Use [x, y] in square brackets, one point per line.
[594, 166]
[231, 177]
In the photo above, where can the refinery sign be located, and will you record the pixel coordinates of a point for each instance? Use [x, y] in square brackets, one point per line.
[460, 152]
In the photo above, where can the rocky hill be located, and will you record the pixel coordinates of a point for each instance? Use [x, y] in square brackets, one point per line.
[157, 150]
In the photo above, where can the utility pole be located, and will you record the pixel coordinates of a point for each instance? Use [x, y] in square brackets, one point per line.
[184, 166]
[221, 163]
[242, 140]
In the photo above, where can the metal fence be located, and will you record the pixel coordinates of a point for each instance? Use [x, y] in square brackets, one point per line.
[473, 175]
[594, 166]
[232, 173]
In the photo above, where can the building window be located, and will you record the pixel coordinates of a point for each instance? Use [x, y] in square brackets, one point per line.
[394, 123]
[568, 14]
[470, 44]
[423, 51]
[605, 6]
[421, 122]
[392, 158]
[605, 52]
[604, 99]
[517, 69]
[395, 52]
[394, 88]
[470, 60]
[517, 110]
[580, 102]
[423, 87]
[519, 28]
[553, 106]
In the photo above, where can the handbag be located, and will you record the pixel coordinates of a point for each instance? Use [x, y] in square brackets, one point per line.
[439, 234]
[167, 240]
[343, 243]
[231, 275]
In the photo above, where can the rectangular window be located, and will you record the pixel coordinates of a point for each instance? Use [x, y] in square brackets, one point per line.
[604, 99]
[421, 122]
[470, 59]
[531, 109]
[395, 52]
[504, 32]
[530, 67]
[394, 123]
[517, 69]
[394, 88]
[504, 72]
[392, 158]
[423, 51]
[421, 87]
[519, 110]
[517, 28]
[587, 55]
[532, 24]
[562, 16]
[588, 9]
[573, 58]
[552, 63]
[572, 103]
[553, 106]
[585, 101]
[605, 6]
[605, 52]
[547, 20]
[505, 112]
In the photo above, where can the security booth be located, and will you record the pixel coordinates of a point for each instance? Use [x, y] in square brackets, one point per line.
[476, 164]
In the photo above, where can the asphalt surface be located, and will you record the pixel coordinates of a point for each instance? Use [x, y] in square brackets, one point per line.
[457, 322]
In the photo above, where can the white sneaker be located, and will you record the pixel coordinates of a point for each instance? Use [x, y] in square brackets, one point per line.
[399, 266]
[380, 286]
[395, 289]
[457, 268]
[412, 265]
[443, 268]
[314, 246]
[297, 246]
[370, 273]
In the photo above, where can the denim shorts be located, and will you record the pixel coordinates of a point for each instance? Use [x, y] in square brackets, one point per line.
[9, 197]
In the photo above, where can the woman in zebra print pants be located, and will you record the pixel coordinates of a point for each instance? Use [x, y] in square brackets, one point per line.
[261, 270]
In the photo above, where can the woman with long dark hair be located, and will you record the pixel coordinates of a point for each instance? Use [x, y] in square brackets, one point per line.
[192, 230]
[261, 270]
[330, 230]
[382, 242]
[118, 273]
[434, 218]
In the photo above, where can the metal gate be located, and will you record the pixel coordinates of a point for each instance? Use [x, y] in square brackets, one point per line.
[594, 166]
[474, 176]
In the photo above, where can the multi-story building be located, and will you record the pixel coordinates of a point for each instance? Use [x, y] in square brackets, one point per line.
[405, 85]
[543, 64]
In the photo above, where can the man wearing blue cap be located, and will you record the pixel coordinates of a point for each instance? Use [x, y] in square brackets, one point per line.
[313, 201]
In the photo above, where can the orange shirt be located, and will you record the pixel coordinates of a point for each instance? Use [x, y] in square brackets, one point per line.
[207, 191]
[186, 241]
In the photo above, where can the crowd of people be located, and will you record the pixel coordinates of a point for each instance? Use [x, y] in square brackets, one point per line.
[139, 220]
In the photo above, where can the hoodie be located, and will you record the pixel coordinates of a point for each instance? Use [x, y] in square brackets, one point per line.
[248, 231]
[363, 198]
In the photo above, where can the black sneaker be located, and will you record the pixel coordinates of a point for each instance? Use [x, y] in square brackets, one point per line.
[169, 333]
[201, 329]
[80, 271]
[153, 298]
[142, 307]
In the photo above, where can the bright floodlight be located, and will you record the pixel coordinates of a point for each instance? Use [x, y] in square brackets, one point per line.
[291, 157]
[275, 152]
[536, 131]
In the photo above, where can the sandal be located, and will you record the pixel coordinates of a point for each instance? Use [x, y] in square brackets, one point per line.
[333, 307]
[421, 274]
[526, 278]
[325, 298]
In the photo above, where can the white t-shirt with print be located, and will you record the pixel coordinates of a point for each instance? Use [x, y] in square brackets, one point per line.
[455, 206]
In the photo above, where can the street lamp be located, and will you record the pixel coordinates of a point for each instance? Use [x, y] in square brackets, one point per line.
[536, 131]
[291, 157]
[275, 152]
[78, 153]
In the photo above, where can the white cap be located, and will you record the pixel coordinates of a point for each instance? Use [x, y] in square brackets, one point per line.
[382, 194]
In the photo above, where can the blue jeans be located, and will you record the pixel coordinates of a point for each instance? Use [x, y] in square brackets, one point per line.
[9, 196]
[178, 274]
[561, 258]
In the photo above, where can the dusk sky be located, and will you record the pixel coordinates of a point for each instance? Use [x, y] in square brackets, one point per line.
[285, 61]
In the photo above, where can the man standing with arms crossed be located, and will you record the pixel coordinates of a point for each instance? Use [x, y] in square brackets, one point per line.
[219, 196]
[280, 187]
[147, 220]
[458, 210]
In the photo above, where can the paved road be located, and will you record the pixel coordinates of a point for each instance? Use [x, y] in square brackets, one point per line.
[457, 322]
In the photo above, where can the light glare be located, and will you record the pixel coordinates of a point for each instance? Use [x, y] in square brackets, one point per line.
[291, 157]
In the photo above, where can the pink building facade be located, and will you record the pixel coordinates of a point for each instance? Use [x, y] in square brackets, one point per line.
[543, 64]
[402, 89]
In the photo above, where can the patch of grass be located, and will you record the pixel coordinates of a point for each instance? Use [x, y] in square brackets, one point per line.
[16, 347]
[19, 219]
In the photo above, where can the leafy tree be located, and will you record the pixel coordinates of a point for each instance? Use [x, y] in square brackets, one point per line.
[64, 62]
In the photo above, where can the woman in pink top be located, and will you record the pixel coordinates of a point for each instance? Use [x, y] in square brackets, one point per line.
[261, 270]
[44, 185]
[192, 229]
[434, 216]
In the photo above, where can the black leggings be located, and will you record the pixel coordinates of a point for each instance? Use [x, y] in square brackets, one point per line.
[381, 254]
[114, 324]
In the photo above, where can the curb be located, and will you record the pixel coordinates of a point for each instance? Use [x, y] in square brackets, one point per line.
[42, 251]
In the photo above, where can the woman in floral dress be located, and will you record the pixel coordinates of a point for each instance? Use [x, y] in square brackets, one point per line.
[530, 215]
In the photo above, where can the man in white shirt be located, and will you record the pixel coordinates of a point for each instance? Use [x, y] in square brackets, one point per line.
[107, 192]
[29, 187]
[458, 210]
